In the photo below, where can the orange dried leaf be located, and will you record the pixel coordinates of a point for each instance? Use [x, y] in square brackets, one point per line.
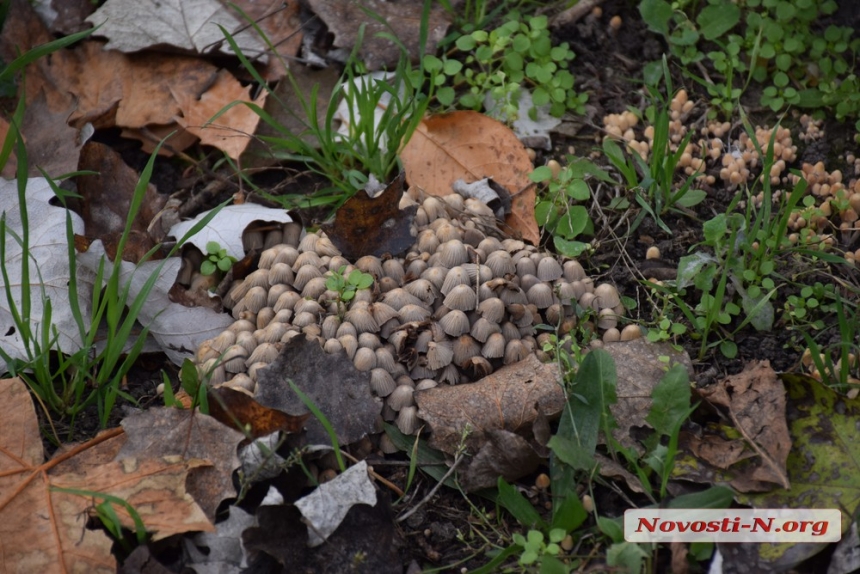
[471, 146]
[231, 131]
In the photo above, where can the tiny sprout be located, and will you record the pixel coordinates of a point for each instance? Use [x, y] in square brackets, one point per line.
[346, 287]
[216, 259]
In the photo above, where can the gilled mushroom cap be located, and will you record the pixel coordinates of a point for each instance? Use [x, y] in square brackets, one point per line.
[462, 298]
[455, 323]
[607, 295]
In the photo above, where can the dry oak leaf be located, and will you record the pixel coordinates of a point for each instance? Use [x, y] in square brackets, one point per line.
[43, 529]
[231, 131]
[471, 146]
[506, 399]
[193, 25]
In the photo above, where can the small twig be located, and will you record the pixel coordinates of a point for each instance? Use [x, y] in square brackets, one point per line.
[373, 474]
[457, 460]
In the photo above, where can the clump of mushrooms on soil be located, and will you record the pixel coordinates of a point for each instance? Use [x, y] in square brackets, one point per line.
[463, 302]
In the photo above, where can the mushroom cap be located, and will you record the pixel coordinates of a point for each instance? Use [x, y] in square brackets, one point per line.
[314, 288]
[455, 323]
[631, 332]
[540, 295]
[607, 295]
[515, 351]
[362, 319]
[326, 247]
[287, 300]
[409, 313]
[349, 344]
[439, 355]
[264, 353]
[385, 359]
[549, 269]
[364, 359]
[398, 298]
[309, 242]
[258, 278]
[332, 346]
[494, 348]
[369, 340]
[427, 241]
[381, 382]
[607, 319]
[307, 258]
[423, 289]
[501, 264]
[492, 309]
[255, 299]
[525, 266]
[456, 276]
[462, 298]
[407, 420]
[573, 271]
[482, 329]
[346, 328]
[288, 255]
[453, 253]
[401, 396]
[234, 358]
[393, 268]
[304, 274]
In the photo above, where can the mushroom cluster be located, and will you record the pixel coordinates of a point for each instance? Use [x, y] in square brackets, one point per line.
[463, 302]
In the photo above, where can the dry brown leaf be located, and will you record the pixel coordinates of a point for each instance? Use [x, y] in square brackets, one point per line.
[506, 400]
[344, 19]
[373, 226]
[332, 382]
[505, 454]
[639, 369]
[162, 432]
[471, 146]
[232, 130]
[106, 200]
[43, 529]
[755, 400]
[178, 140]
[279, 20]
[235, 409]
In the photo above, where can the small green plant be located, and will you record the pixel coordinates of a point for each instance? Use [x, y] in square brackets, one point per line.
[384, 111]
[738, 276]
[535, 546]
[67, 381]
[107, 515]
[216, 260]
[843, 373]
[774, 42]
[515, 57]
[559, 210]
[347, 286]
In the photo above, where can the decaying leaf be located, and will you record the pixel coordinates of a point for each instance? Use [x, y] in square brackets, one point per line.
[326, 507]
[332, 382]
[373, 226]
[236, 409]
[821, 464]
[755, 400]
[163, 432]
[507, 400]
[280, 22]
[193, 25]
[344, 19]
[366, 531]
[222, 550]
[48, 258]
[505, 454]
[106, 201]
[44, 529]
[232, 130]
[228, 225]
[639, 369]
[52, 144]
[471, 146]
[178, 330]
